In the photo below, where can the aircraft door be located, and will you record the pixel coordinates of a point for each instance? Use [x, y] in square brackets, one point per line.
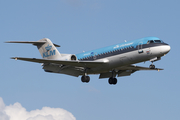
[94, 55]
[140, 48]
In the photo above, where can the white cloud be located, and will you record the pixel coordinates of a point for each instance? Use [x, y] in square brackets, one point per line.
[17, 112]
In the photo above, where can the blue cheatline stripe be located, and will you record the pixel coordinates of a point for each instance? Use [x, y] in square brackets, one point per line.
[115, 48]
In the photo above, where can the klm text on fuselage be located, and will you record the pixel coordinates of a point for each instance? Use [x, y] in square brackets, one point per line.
[49, 53]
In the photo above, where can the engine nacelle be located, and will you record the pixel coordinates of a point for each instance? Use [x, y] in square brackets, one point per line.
[68, 57]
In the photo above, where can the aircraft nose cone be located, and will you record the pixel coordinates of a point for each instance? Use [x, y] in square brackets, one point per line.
[166, 49]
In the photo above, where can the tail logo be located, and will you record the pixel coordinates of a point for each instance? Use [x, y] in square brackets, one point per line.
[48, 47]
[49, 52]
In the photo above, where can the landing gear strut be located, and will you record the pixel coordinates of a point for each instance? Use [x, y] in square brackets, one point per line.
[112, 81]
[85, 78]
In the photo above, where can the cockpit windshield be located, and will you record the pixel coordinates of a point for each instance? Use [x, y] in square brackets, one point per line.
[154, 41]
[157, 41]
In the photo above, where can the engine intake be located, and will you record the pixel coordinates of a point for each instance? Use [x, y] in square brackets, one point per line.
[68, 57]
[73, 57]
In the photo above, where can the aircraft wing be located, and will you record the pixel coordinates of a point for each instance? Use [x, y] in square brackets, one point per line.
[126, 71]
[88, 64]
[31, 42]
[134, 67]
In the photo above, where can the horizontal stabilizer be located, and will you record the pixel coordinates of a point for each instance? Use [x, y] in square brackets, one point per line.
[36, 43]
[88, 64]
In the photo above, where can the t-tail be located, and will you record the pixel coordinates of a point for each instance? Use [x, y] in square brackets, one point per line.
[46, 48]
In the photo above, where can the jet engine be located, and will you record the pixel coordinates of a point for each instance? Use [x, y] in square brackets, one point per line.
[68, 57]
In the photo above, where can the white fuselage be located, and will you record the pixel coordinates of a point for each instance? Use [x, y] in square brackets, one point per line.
[130, 58]
[113, 59]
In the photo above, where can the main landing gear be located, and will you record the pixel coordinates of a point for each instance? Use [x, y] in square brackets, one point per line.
[112, 81]
[85, 78]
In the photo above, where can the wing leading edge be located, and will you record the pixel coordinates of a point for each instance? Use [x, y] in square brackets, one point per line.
[134, 67]
[31, 42]
[88, 64]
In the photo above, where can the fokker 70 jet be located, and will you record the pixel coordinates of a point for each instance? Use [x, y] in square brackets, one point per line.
[115, 60]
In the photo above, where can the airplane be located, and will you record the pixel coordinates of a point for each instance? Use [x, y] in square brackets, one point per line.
[109, 62]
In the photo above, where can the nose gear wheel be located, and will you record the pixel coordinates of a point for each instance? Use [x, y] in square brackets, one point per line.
[152, 66]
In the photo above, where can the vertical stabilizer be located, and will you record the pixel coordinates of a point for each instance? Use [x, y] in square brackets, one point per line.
[48, 50]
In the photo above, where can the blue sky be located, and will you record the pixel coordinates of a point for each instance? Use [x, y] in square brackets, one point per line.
[81, 25]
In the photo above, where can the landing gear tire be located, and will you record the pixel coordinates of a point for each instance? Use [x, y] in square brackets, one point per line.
[152, 66]
[112, 81]
[85, 78]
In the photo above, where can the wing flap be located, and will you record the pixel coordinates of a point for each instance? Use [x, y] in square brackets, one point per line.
[125, 72]
[70, 70]
[120, 73]
[88, 64]
[105, 75]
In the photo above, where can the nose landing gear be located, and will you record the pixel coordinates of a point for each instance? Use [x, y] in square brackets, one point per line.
[152, 66]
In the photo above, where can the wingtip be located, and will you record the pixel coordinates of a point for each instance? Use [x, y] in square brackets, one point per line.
[14, 58]
[11, 41]
[158, 69]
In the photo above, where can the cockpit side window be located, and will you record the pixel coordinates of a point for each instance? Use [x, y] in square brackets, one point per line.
[150, 41]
